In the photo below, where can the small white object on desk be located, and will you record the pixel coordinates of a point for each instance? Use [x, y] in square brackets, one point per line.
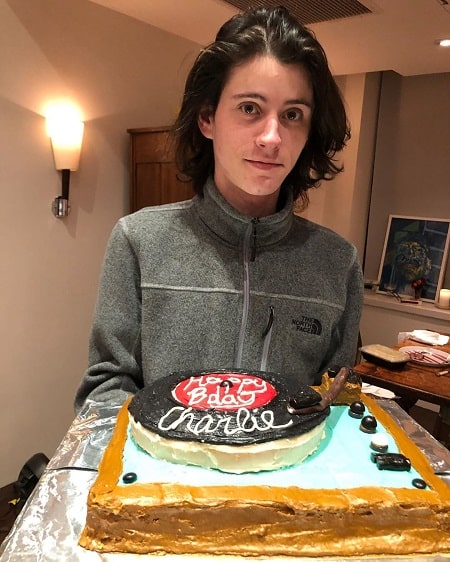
[377, 391]
[424, 336]
[444, 298]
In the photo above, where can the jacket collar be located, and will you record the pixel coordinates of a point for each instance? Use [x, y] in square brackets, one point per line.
[230, 225]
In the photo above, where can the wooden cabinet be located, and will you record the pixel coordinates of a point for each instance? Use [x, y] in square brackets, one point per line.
[153, 171]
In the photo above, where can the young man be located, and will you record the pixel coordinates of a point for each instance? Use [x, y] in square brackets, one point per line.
[233, 279]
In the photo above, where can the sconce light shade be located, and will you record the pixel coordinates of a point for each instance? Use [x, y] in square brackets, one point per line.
[66, 143]
[65, 130]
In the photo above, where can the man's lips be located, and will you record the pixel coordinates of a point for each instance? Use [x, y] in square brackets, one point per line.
[261, 165]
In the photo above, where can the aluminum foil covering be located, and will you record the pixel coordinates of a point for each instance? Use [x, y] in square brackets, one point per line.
[436, 453]
[51, 522]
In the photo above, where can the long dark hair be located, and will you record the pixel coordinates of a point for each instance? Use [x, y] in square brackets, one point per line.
[262, 31]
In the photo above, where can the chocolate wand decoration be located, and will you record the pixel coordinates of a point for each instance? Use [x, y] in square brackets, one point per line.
[328, 397]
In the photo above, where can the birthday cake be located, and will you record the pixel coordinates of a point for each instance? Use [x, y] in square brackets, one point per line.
[242, 464]
[231, 421]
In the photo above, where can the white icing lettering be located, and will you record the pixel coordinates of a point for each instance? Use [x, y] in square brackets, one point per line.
[197, 395]
[177, 416]
[209, 391]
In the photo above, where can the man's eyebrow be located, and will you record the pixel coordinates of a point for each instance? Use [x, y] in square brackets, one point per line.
[255, 95]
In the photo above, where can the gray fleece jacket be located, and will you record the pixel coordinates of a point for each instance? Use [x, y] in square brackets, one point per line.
[196, 285]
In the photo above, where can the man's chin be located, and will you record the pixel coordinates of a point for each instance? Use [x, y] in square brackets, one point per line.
[263, 187]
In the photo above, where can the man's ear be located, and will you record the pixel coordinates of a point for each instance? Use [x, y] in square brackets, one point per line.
[205, 122]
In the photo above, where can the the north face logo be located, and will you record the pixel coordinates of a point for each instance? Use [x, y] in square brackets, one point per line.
[308, 325]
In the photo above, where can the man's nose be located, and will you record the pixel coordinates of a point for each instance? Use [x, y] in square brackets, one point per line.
[270, 134]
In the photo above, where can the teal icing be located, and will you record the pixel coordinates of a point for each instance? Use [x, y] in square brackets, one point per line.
[341, 461]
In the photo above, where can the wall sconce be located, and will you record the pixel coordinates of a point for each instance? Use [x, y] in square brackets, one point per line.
[65, 129]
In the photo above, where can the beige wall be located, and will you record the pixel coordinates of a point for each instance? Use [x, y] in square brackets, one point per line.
[343, 204]
[123, 74]
[412, 164]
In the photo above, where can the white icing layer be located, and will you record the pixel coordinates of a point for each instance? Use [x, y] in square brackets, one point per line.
[247, 458]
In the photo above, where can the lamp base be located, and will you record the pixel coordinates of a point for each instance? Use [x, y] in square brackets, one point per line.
[60, 207]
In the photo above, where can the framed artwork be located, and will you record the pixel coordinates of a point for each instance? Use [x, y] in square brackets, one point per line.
[414, 256]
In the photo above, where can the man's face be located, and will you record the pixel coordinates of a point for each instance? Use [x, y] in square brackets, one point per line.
[259, 130]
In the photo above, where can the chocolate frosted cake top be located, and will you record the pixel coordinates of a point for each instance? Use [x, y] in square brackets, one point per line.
[225, 407]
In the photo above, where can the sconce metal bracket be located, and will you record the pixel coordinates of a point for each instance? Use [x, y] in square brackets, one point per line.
[60, 206]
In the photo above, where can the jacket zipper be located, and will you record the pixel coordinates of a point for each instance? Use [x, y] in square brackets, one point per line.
[266, 335]
[246, 255]
[249, 255]
[255, 221]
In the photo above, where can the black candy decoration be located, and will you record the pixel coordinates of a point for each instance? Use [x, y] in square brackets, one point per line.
[391, 461]
[419, 483]
[303, 399]
[368, 424]
[356, 410]
[129, 478]
[354, 377]
[333, 370]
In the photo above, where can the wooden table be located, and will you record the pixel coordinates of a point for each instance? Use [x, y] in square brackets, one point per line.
[413, 380]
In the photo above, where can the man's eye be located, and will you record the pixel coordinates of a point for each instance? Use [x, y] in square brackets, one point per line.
[293, 115]
[248, 108]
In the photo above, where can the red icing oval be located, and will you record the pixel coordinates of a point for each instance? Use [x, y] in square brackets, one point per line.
[224, 391]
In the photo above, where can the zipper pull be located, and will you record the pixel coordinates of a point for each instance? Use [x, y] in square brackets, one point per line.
[269, 323]
[255, 221]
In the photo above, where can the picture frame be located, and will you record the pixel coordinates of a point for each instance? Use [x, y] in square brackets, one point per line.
[415, 250]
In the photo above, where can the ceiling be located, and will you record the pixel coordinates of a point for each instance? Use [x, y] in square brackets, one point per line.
[399, 35]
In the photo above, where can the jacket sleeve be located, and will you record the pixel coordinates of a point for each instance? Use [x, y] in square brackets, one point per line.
[344, 343]
[114, 366]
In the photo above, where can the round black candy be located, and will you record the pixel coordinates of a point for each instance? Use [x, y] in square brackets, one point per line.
[129, 477]
[356, 410]
[354, 377]
[333, 371]
[368, 424]
[419, 483]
